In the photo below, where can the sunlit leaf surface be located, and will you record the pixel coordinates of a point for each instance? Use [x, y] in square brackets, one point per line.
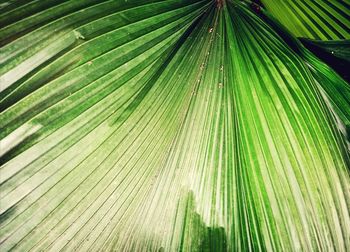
[170, 125]
[321, 19]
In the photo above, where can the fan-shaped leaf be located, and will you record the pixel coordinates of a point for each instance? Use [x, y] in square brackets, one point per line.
[164, 126]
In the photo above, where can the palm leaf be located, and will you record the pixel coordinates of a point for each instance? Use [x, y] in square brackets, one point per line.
[165, 126]
[335, 53]
[334, 88]
[322, 19]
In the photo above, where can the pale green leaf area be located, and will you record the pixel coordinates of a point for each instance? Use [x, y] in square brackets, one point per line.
[171, 125]
[321, 19]
[334, 89]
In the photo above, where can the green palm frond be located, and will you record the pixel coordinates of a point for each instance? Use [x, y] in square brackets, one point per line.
[171, 125]
[334, 88]
[322, 19]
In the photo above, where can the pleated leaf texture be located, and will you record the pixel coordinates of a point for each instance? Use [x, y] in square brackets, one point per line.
[173, 125]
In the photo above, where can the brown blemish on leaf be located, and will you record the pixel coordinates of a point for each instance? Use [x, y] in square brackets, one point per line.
[219, 3]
